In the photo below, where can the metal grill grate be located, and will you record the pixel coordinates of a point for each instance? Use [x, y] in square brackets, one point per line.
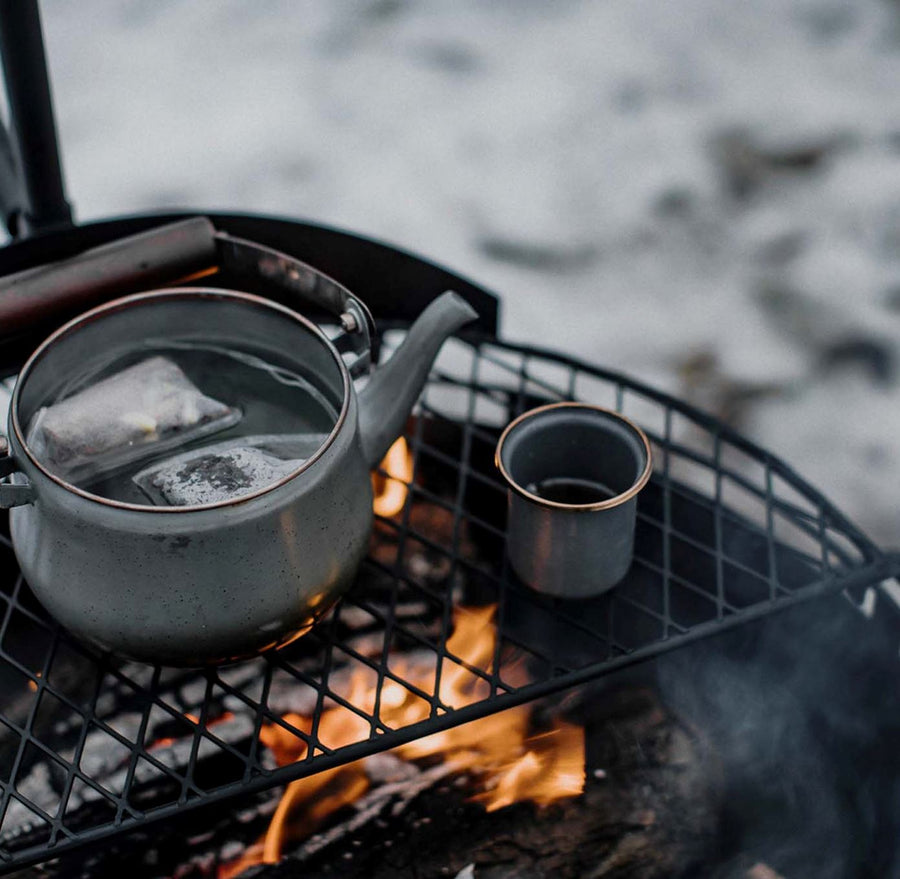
[90, 747]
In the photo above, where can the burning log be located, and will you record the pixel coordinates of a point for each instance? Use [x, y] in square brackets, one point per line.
[506, 766]
[510, 762]
[650, 813]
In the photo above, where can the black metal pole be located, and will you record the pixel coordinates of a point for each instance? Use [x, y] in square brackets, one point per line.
[31, 115]
[12, 195]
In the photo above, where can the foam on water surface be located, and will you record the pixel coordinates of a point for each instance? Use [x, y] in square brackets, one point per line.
[222, 471]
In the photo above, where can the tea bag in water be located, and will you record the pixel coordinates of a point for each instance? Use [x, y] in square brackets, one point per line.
[145, 409]
[226, 470]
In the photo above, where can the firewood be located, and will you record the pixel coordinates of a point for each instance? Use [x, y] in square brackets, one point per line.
[651, 813]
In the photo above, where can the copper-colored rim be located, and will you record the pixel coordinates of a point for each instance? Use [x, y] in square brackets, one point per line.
[162, 295]
[609, 503]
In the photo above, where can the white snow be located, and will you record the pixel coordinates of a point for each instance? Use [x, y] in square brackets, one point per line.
[581, 132]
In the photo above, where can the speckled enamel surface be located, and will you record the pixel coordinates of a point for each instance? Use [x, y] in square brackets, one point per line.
[200, 586]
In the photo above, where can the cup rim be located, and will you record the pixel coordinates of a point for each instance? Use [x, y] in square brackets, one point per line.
[607, 504]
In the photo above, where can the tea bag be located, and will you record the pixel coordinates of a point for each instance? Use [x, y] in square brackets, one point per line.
[226, 470]
[145, 409]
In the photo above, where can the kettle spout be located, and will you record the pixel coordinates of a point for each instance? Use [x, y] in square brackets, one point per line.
[388, 398]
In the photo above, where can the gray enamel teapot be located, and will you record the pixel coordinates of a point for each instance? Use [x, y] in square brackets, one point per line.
[214, 582]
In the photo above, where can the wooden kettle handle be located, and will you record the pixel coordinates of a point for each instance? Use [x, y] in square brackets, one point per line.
[138, 262]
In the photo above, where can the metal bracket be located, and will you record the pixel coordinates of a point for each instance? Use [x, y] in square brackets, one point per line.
[14, 494]
[309, 285]
[7, 464]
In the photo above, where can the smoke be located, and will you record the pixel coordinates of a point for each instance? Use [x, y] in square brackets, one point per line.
[803, 710]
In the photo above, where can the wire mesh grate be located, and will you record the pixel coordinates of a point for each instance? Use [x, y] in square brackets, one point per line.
[92, 747]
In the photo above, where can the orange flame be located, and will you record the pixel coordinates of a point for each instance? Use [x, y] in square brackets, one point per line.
[308, 802]
[510, 765]
[551, 769]
[391, 491]
[513, 766]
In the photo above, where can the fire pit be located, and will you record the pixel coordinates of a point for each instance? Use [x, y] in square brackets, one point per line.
[441, 699]
[437, 632]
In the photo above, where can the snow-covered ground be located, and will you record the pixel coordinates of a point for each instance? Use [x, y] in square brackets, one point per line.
[705, 194]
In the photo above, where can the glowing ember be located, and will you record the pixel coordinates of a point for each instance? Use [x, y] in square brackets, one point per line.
[509, 765]
[168, 741]
[390, 491]
[283, 742]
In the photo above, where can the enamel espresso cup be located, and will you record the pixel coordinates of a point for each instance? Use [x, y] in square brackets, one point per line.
[574, 472]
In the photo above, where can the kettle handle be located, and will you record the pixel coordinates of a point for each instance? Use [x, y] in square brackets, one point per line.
[159, 256]
[357, 341]
[12, 494]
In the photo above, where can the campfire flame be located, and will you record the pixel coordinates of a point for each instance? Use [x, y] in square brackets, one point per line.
[509, 764]
[391, 491]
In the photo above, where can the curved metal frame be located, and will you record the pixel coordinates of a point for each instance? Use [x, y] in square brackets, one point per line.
[795, 578]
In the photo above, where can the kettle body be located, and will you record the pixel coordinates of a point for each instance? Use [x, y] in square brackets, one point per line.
[205, 584]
